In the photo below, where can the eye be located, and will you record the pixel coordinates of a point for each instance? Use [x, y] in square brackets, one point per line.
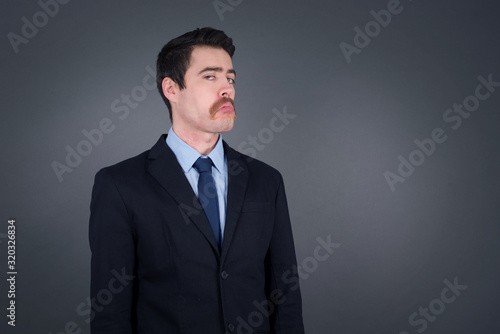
[231, 81]
[209, 77]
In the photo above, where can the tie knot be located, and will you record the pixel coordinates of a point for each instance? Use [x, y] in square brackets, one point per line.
[203, 165]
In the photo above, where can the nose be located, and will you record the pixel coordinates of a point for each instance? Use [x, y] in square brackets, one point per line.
[227, 90]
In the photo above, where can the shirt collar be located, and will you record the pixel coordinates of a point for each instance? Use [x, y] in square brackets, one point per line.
[187, 156]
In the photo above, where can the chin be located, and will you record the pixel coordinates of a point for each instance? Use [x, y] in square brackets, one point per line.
[225, 125]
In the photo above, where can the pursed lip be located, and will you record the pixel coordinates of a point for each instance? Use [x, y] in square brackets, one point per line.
[226, 107]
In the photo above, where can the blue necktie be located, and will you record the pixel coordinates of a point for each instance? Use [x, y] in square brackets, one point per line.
[207, 194]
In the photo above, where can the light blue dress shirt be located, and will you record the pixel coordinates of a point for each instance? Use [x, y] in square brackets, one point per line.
[186, 156]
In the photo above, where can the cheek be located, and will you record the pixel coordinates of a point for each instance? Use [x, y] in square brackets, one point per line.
[205, 101]
[193, 103]
[200, 100]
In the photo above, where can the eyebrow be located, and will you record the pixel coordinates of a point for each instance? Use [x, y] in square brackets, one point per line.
[216, 69]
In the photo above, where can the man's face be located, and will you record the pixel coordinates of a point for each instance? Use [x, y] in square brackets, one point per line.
[206, 104]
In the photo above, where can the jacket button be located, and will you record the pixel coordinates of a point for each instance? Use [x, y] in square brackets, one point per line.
[230, 327]
[224, 275]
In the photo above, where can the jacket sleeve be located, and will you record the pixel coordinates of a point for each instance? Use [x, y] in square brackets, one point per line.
[283, 284]
[111, 238]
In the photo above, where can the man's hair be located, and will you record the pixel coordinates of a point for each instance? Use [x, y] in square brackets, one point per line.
[173, 59]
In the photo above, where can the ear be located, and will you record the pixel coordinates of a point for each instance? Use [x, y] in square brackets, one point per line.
[170, 89]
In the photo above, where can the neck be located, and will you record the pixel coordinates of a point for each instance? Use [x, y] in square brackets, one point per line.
[202, 142]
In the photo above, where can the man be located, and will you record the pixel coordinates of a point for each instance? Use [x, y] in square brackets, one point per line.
[192, 236]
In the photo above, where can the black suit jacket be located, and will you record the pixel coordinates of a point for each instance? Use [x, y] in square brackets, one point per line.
[156, 267]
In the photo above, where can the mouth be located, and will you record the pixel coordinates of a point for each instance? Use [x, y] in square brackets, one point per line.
[223, 107]
[226, 108]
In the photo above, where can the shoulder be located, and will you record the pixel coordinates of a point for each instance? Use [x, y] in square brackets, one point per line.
[128, 165]
[136, 166]
[124, 170]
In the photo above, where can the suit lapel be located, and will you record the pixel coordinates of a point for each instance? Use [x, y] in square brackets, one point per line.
[163, 166]
[237, 183]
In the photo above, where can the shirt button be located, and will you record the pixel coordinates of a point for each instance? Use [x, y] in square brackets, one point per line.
[224, 275]
[230, 326]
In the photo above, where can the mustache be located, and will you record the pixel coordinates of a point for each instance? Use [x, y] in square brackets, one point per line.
[219, 103]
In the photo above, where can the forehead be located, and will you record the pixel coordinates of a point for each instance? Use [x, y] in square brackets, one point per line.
[206, 56]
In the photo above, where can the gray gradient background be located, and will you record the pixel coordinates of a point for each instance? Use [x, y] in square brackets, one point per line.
[353, 121]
